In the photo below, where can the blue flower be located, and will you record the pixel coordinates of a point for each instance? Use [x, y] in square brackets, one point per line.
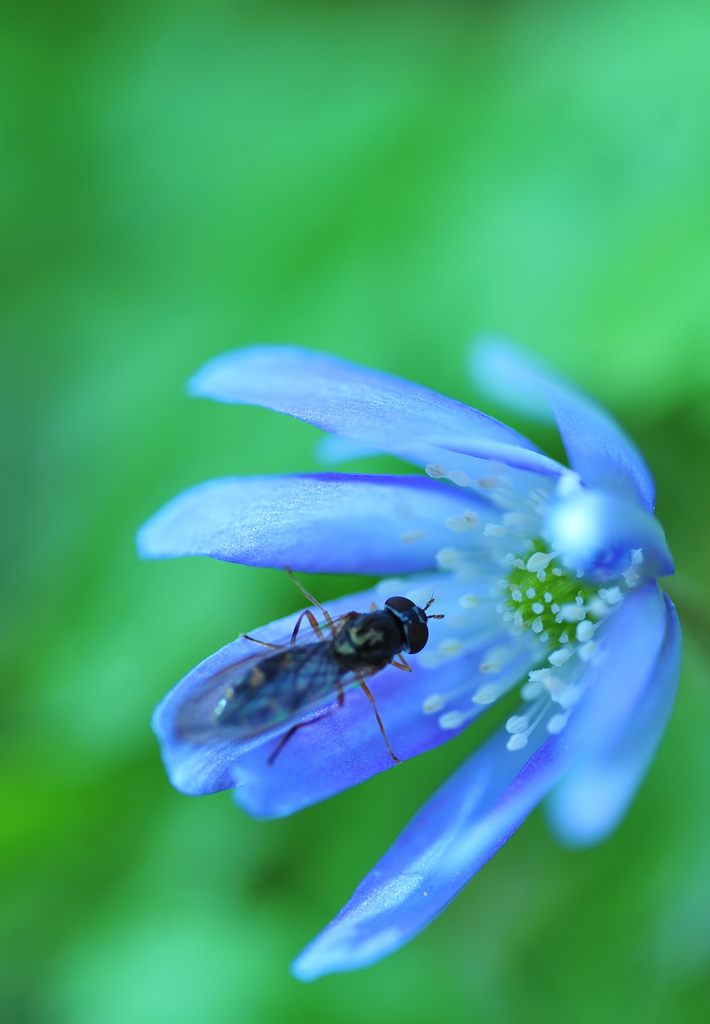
[546, 576]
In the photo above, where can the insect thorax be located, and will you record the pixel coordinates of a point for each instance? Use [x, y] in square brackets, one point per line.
[374, 638]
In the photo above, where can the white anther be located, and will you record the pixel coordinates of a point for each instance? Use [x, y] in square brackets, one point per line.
[537, 625]
[572, 613]
[517, 723]
[611, 595]
[495, 659]
[569, 697]
[516, 594]
[518, 619]
[488, 483]
[547, 596]
[568, 485]
[597, 607]
[459, 523]
[530, 592]
[447, 558]
[532, 690]
[584, 631]
[587, 651]
[517, 742]
[435, 471]
[564, 639]
[540, 560]
[540, 675]
[452, 720]
[631, 577]
[469, 601]
[538, 608]
[450, 647]
[486, 695]
[636, 556]
[410, 536]
[513, 519]
[494, 530]
[557, 572]
[461, 479]
[433, 703]
[554, 608]
[544, 637]
[557, 723]
[560, 656]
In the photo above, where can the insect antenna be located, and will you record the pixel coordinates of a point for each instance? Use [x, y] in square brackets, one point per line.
[312, 599]
[429, 603]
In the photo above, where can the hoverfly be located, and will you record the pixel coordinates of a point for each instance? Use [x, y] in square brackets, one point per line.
[264, 691]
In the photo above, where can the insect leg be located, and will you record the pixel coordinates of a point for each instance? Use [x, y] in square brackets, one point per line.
[263, 643]
[311, 598]
[401, 664]
[294, 728]
[368, 694]
[314, 626]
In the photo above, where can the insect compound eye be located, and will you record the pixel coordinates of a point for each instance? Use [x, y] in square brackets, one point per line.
[413, 621]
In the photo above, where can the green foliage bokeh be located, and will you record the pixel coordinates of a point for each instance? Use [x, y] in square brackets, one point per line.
[382, 181]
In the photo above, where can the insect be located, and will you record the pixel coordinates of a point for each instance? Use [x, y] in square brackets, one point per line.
[265, 691]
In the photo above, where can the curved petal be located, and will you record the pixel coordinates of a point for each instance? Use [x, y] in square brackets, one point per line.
[315, 523]
[367, 406]
[475, 812]
[597, 447]
[593, 797]
[605, 536]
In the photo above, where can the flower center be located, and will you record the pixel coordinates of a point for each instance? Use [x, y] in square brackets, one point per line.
[549, 600]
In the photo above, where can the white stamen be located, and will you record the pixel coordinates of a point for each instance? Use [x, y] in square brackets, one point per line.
[538, 608]
[517, 723]
[530, 592]
[452, 720]
[410, 536]
[611, 595]
[547, 596]
[450, 647]
[496, 659]
[532, 690]
[584, 631]
[559, 657]
[486, 695]
[631, 577]
[494, 530]
[469, 601]
[572, 613]
[448, 558]
[461, 479]
[636, 556]
[435, 471]
[539, 561]
[433, 703]
[488, 483]
[537, 625]
[517, 742]
[568, 485]
[587, 651]
[459, 523]
[557, 723]
[513, 519]
[516, 594]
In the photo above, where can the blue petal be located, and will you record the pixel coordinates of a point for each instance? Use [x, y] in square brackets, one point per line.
[598, 449]
[593, 797]
[367, 406]
[315, 523]
[598, 533]
[477, 810]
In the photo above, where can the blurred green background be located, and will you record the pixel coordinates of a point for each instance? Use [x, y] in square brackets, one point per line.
[382, 181]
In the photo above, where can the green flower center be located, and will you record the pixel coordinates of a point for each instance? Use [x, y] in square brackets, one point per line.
[549, 600]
